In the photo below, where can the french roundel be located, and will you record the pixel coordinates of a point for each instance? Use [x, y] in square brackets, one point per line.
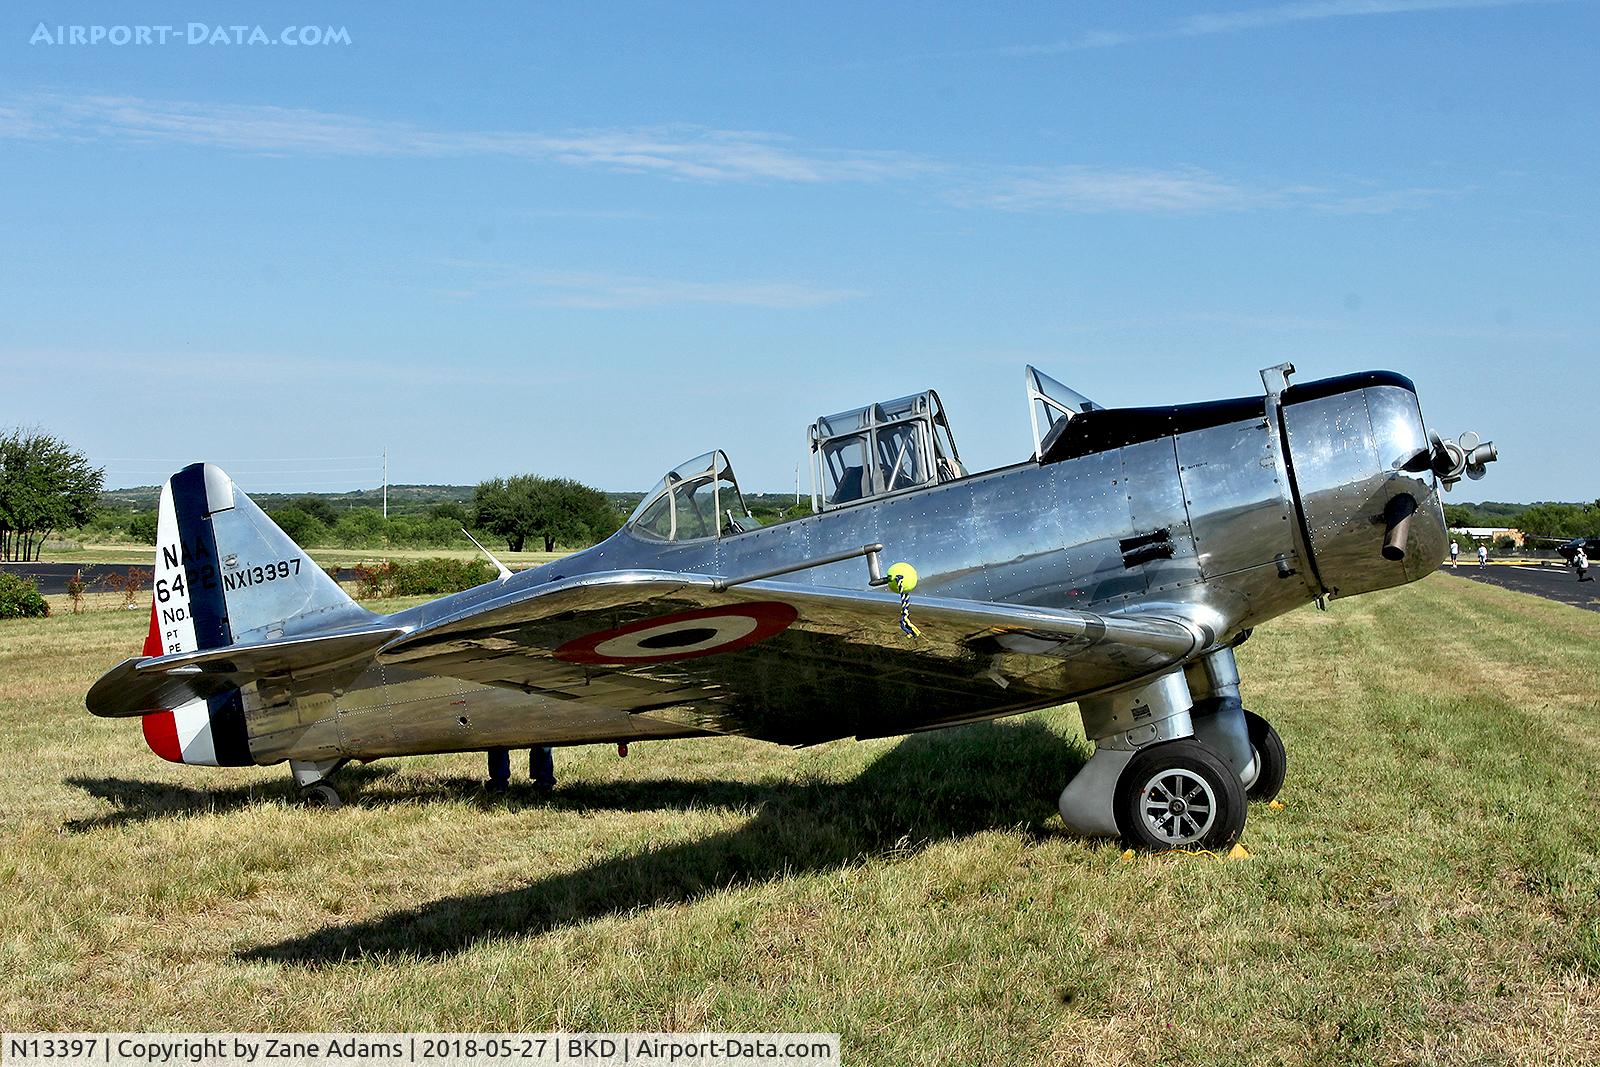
[686, 635]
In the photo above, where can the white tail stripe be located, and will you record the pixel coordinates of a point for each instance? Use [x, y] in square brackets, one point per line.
[193, 721]
[174, 619]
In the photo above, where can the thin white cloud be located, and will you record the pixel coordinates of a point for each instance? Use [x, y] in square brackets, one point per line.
[688, 153]
[677, 151]
[1095, 190]
[598, 291]
[1256, 18]
[1174, 191]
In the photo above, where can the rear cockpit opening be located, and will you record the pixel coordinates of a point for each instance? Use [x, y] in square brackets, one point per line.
[880, 449]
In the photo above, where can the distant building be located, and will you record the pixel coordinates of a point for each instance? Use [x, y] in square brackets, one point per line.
[1492, 533]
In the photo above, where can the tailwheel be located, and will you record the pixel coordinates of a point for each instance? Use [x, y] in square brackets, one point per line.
[322, 795]
[1179, 794]
[1270, 763]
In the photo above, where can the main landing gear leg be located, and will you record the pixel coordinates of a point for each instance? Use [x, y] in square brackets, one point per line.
[1221, 720]
[313, 778]
[1150, 780]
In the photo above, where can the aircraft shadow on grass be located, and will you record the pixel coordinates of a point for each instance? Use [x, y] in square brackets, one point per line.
[136, 801]
[927, 788]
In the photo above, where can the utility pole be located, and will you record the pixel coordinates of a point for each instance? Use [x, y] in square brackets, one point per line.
[386, 484]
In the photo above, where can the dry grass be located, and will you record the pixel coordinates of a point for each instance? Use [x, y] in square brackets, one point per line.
[1429, 894]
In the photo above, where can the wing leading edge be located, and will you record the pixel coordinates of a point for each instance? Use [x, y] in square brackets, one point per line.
[789, 663]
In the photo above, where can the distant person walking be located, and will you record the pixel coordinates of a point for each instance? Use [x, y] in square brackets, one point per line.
[1455, 554]
[1483, 556]
[1580, 563]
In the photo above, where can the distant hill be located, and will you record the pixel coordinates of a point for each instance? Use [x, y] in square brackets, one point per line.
[403, 499]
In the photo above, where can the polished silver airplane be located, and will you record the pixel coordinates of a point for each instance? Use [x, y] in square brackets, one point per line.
[1118, 566]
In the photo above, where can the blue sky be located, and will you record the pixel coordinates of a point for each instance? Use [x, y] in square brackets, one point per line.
[594, 240]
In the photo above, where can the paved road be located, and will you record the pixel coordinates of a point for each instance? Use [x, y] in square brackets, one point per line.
[52, 578]
[1552, 583]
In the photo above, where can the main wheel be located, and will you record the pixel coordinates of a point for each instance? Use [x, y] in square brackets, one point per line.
[1179, 794]
[1271, 760]
[322, 795]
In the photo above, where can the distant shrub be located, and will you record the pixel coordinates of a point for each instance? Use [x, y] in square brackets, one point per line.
[130, 585]
[423, 577]
[20, 599]
[438, 576]
[375, 580]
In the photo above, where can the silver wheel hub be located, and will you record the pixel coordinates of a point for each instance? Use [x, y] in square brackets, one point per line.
[1178, 806]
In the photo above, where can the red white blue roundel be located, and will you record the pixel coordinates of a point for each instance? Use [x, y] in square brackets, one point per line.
[686, 635]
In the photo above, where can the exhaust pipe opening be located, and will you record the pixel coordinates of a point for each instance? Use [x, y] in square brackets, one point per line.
[1397, 526]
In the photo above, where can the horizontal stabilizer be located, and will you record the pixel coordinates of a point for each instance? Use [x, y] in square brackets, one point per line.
[137, 686]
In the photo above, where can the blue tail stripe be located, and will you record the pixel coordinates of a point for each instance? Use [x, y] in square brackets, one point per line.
[229, 737]
[200, 565]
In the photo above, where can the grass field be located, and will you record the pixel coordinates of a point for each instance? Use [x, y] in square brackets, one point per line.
[1430, 892]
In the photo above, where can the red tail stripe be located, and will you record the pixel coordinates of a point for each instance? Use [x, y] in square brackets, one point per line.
[161, 734]
[152, 641]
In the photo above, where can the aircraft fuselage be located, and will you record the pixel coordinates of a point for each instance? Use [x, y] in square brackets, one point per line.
[1236, 511]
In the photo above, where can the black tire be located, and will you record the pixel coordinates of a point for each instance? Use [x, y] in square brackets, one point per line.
[1170, 776]
[322, 795]
[1271, 760]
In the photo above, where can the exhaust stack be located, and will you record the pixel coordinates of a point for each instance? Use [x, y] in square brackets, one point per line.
[1397, 525]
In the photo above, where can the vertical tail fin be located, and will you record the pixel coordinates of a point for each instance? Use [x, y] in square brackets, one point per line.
[225, 573]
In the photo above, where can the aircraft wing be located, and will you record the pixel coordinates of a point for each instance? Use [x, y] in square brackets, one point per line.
[790, 663]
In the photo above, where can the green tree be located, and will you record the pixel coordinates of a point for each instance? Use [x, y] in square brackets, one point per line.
[553, 510]
[303, 527]
[362, 528]
[142, 527]
[1553, 520]
[317, 508]
[1457, 516]
[45, 485]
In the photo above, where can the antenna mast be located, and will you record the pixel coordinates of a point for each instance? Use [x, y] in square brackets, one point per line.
[386, 484]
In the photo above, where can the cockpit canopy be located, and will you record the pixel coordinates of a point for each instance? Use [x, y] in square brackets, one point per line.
[696, 499]
[881, 448]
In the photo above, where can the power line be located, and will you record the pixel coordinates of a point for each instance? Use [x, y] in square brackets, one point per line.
[282, 459]
[257, 474]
